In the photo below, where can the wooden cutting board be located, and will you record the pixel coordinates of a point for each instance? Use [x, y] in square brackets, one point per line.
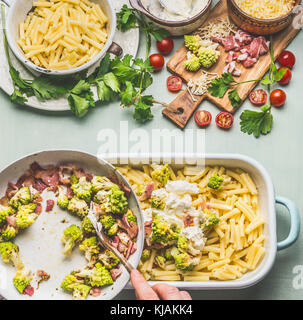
[182, 108]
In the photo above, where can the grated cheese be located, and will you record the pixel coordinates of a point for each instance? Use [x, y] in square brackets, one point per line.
[266, 9]
[199, 86]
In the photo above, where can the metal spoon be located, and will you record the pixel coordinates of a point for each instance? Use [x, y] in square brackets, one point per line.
[104, 240]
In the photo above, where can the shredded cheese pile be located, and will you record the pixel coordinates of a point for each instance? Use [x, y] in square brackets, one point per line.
[266, 9]
[199, 86]
[220, 28]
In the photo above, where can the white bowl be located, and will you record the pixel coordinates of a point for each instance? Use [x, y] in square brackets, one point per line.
[40, 245]
[18, 11]
[267, 200]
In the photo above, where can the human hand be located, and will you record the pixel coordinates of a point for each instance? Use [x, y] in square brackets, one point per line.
[161, 291]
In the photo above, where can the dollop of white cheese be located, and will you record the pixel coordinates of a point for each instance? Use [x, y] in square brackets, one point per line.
[182, 187]
[195, 235]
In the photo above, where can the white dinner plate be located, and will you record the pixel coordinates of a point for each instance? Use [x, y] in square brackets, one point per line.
[129, 42]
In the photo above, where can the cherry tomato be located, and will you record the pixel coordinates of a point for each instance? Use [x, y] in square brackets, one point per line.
[174, 83]
[287, 59]
[203, 118]
[278, 98]
[287, 76]
[157, 61]
[258, 97]
[224, 120]
[165, 46]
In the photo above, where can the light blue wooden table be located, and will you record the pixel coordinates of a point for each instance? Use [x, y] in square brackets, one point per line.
[24, 130]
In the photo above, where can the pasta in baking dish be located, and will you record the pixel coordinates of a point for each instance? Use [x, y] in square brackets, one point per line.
[63, 34]
[200, 223]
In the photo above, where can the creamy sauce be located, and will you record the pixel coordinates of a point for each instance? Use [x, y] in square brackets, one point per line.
[174, 10]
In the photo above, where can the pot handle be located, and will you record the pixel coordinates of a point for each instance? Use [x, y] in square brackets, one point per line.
[115, 49]
[7, 2]
[295, 221]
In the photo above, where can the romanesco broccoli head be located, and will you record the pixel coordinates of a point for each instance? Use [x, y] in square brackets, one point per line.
[208, 57]
[10, 253]
[107, 221]
[162, 174]
[170, 253]
[182, 244]
[108, 259]
[24, 219]
[193, 63]
[90, 248]
[164, 232]
[183, 261]
[5, 212]
[210, 219]
[145, 255]
[22, 279]
[23, 196]
[69, 282]
[101, 183]
[87, 226]
[83, 189]
[131, 216]
[8, 233]
[78, 207]
[62, 199]
[73, 179]
[116, 201]
[192, 42]
[81, 291]
[158, 203]
[215, 182]
[97, 277]
[71, 236]
[113, 230]
[160, 261]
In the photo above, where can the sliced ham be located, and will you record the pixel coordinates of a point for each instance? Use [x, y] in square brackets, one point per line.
[230, 43]
[115, 242]
[116, 273]
[232, 56]
[38, 209]
[29, 290]
[130, 227]
[95, 292]
[65, 173]
[11, 190]
[129, 249]
[69, 193]
[39, 185]
[134, 248]
[249, 62]
[11, 220]
[188, 221]
[243, 38]
[147, 192]
[122, 247]
[49, 205]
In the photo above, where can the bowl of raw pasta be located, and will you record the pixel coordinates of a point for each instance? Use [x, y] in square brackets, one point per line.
[208, 226]
[60, 37]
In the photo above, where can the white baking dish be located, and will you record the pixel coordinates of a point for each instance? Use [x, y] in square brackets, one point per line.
[267, 205]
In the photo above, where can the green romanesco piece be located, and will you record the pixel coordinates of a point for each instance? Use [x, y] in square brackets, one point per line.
[108, 259]
[70, 282]
[25, 216]
[192, 42]
[83, 189]
[164, 232]
[131, 216]
[90, 248]
[208, 57]
[215, 182]
[116, 201]
[22, 279]
[8, 233]
[62, 199]
[170, 253]
[162, 174]
[160, 261]
[101, 183]
[5, 212]
[193, 63]
[145, 255]
[210, 219]
[81, 291]
[10, 253]
[23, 196]
[182, 244]
[87, 226]
[71, 236]
[78, 207]
[183, 261]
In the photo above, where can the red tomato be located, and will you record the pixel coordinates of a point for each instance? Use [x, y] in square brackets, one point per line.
[165, 46]
[287, 59]
[287, 76]
[157, 61]
[203, 118]
[224, 120]
[174, 83]
[278, 98]
[258, 97]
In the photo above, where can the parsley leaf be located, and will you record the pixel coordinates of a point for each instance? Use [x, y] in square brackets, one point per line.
[234, 98]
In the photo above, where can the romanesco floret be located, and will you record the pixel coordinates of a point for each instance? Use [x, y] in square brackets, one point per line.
[62, 199]
[108, 259]
[73, 179]
[208, 57]
[81, 291]
[182, 244]
[193, 63]
[113, 230]
[131, 216]
[116, 201]
[78, 207]
[164, 232]
[101, 183]
[8, 233]
[210, 219]
[10, 253]
[83, 189]
[140, 190]
[160, 261]
[5, 212]
[71, 236]
[97, 277]
[145, 255]
[90, 248]
[25, 218]
[192, 42]
[87, 226]
[158, 203]
[70, 282]
[215, 182]
[170, 253]
[22, 279]
[183, 261]
[162, 174]
[107, 221]
[23, 196]
[27, 208]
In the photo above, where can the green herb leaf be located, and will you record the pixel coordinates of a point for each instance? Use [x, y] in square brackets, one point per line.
[142, 111]
[234, 98]
[128, 94]
[112, 82]
[126, 19]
